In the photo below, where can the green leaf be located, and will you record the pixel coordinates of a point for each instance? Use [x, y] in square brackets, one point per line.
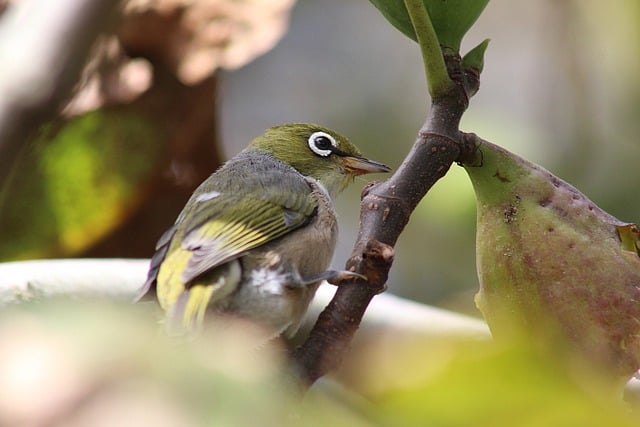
[396, 13]
[451, 19]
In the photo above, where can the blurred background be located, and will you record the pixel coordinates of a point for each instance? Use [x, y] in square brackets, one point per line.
[107, 176]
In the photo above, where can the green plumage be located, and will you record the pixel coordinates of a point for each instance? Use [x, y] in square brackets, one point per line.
[251, 209]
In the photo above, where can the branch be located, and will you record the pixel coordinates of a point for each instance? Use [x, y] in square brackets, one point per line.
[43, 47]
[384, 212]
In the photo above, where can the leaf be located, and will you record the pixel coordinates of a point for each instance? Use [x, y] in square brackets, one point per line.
[396, 13]
[451, 19]
[462, 382]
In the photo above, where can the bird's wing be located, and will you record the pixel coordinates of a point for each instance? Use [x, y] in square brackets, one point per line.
[161, 252]
[222, 228]
[221, 221]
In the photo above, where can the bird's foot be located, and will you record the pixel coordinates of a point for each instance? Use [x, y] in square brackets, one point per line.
[334, 277]
[337, 277]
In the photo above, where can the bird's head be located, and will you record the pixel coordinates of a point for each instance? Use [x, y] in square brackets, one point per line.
[316, 152]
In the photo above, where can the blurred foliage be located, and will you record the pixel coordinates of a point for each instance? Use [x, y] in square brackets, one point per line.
[102, 364]
[482, 384]
[139, 132]
[78, 182]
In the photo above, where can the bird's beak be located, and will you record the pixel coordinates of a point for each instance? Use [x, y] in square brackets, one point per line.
[360, 165]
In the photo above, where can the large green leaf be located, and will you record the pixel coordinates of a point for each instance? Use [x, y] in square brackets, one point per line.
[451, 19]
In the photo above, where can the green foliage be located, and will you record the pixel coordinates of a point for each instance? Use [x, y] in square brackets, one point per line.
[76, 184]
[466, 383]
[115, 364]
[99, 363]
[108, 361]
[451, 19]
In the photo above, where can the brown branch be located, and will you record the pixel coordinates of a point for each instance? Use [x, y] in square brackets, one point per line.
[43, 48]
[385, 210]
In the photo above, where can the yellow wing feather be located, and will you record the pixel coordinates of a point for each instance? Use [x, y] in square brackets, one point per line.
[191, 276]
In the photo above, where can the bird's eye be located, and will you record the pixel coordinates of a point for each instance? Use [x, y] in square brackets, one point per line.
[322, 143]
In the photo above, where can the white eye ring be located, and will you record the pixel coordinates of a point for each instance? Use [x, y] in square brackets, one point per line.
[317, 143]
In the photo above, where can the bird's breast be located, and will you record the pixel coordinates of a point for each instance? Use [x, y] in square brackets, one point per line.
[268, 282]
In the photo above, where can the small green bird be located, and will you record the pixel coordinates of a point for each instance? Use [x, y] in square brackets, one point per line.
[256, 237]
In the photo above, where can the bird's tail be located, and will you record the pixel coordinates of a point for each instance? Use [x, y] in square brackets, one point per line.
[187, 313]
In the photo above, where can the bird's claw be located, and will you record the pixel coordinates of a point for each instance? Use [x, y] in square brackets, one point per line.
[334, 277]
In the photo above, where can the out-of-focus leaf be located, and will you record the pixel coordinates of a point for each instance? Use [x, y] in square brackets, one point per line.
[76, 184]
[454, 382]
[451, 19]
[152, 79]
[103, 364]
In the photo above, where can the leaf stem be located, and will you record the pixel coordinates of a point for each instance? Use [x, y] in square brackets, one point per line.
[438, 81]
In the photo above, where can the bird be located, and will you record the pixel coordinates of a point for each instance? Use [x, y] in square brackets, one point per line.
[256, 238]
